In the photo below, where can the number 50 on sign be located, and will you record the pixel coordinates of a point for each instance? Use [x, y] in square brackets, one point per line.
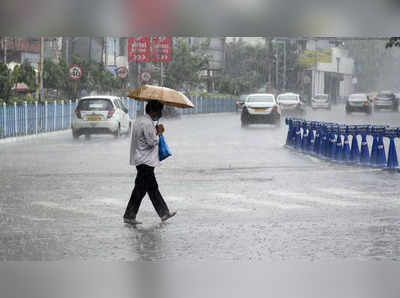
[75, 72]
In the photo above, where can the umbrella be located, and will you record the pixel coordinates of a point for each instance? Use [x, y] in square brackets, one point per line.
[165, 95]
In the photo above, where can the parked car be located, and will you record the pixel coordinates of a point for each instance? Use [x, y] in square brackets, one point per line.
[290, 103]
[100, 115]
[386, 100]
[359, 103]
[260, 108]
[320, 101]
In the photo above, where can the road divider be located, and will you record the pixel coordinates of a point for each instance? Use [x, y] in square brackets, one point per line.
[345, 144]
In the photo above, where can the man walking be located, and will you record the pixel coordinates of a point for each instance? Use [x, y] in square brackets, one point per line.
[144, 155]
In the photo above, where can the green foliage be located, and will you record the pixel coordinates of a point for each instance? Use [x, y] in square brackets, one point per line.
[5, 83]
[184, 70]
[24, 73]
[53, 75]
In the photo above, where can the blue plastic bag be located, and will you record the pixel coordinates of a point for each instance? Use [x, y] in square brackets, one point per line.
[163, 149]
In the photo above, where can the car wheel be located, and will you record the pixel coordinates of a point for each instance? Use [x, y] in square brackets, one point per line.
[87, 137]
[75, 135]
[117, 133]
[129, 130]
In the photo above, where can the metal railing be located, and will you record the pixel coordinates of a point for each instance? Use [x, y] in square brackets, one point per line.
[30, 119]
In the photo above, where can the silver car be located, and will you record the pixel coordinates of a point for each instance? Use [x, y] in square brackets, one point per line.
[320, 101]
[100, 115]
[358, 103]
[290, 103]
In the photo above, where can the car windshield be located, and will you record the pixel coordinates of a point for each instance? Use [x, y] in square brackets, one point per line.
[358, 96]
[321, 97]
[95, 105]
[288, 98]
[385, 95]
[264, 98]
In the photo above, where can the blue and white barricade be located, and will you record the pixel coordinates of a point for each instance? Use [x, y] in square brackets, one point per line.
[331, 141]
[392, 162]
[364, 154]
[354, 151]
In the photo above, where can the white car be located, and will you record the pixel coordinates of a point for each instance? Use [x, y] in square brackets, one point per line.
[260, 108]
[100, 115]
[320, 101]
[290, 103]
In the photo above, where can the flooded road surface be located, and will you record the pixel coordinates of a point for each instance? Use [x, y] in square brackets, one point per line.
[240, 195]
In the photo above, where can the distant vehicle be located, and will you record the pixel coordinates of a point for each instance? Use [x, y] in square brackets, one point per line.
[260, 108]
[386, 100]
[240, 102]
[320, 101]
[358, 103]
[100, 115]
[290, 103]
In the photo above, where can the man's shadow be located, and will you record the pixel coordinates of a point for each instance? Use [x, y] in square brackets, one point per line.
[146, 241]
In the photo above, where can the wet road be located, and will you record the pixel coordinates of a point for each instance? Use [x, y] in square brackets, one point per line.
[240, 195]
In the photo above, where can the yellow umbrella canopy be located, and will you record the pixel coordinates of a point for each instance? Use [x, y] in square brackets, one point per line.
[165, 95]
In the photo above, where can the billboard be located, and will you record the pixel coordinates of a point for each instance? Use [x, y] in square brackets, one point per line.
[162, 49]
[139, 49]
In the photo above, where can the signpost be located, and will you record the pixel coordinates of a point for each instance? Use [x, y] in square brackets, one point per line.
[75, 73]
[139, 49]
[122, 72]
[162, 49]
[145, 76]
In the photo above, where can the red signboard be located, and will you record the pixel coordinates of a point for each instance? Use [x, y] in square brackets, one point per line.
[139, 49]
[162, 49]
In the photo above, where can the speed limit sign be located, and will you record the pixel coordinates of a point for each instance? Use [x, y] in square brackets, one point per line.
[75, 72]
[145, 76]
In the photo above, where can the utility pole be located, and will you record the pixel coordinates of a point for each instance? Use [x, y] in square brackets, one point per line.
[105, 51]
[115, 51]
[5, 50]
[284, 65]
[67, 50]
[276, 66]
[41, 67]
[90, 49]
[162, 74]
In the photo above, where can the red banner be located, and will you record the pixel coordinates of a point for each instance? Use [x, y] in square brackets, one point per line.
[162, 49]
[139, 49]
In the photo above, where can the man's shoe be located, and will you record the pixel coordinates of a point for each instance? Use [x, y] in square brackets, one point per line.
[131, 221]
[167, 216]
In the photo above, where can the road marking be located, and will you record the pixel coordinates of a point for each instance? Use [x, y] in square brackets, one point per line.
[266, 202]
[358, 194]
[52, 205]
[31, 218]
[311, 198]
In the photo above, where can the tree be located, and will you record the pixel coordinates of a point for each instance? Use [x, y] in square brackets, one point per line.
[183, 72]
[245, 68]
[53, 75]
[5, 82]
[24, 73]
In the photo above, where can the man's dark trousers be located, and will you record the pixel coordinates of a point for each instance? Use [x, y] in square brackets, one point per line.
[146, 183]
